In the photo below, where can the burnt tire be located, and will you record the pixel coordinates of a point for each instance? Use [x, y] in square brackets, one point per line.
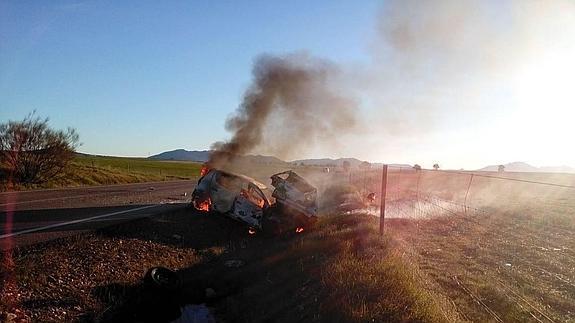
[163, 279]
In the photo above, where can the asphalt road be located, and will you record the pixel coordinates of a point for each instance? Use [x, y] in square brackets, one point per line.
[33, 216]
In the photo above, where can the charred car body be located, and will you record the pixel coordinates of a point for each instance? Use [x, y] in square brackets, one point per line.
[244, 199]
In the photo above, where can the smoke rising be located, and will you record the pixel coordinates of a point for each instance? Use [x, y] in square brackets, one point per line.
[438, 71]
[292, 104]
[461, 81]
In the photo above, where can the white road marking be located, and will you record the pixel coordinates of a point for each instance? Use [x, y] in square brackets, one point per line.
[57, 225]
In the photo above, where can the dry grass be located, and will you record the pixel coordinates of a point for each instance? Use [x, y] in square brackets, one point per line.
[370, 280]
[340, 271]
[504, 266]
[507, 255]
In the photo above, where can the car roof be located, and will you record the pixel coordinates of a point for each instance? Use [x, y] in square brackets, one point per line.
[260, 185]
[299, 182]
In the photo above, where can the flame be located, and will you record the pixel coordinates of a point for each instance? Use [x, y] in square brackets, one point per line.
[299, 230]
[253, 198]
[252, 231]
[371, 197]
[203, 205]
[260, 203]
[205, 169]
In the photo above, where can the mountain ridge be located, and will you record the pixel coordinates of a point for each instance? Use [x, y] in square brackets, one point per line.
[527, 168]
[203, 156]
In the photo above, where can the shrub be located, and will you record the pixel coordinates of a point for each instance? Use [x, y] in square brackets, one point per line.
[32, 153]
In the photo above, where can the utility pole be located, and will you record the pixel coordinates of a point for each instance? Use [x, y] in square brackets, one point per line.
[382, 204]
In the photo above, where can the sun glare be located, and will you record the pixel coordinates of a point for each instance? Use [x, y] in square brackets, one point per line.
[545, 113]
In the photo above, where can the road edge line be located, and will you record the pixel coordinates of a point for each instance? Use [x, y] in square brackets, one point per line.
[57, 225]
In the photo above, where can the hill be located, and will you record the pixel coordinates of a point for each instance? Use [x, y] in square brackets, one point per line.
[262, 159]
[526, 168]
[354, 162]
[204, 155]
[182, 154]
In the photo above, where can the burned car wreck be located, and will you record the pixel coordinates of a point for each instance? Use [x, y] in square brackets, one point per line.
[291, 205]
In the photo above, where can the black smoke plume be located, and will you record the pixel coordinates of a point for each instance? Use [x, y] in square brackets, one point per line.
[292, 104]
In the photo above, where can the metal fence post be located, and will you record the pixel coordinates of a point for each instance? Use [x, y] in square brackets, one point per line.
[383, 196]
[467, 193]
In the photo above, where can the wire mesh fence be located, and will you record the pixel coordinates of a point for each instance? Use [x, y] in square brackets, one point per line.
[503, 240]
[422, 193]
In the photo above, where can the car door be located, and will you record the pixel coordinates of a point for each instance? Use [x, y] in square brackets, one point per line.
[223, 191]
[248, 206]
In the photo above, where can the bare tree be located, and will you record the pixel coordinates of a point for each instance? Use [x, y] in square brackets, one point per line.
[501, 168]
[436, 166]
[32, 152]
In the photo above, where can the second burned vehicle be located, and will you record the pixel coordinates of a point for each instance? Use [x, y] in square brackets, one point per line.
[291, 205]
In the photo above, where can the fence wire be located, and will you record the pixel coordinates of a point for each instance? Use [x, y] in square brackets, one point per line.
[424, 193]
[514, 230]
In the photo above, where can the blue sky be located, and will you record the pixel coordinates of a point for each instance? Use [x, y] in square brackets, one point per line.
[140, 77]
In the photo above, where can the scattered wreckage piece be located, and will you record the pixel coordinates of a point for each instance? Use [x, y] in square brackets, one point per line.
[292, 191]
[243, 198]
[356, 203]
[296, 199]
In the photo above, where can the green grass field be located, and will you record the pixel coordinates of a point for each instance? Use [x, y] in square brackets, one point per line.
[86, 170]
[143, 166]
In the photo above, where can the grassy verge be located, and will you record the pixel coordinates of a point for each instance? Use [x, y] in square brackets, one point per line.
[88, 170]
[339, 271]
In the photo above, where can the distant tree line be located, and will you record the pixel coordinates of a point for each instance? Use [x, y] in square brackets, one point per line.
[417, 167]
[32, 153]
